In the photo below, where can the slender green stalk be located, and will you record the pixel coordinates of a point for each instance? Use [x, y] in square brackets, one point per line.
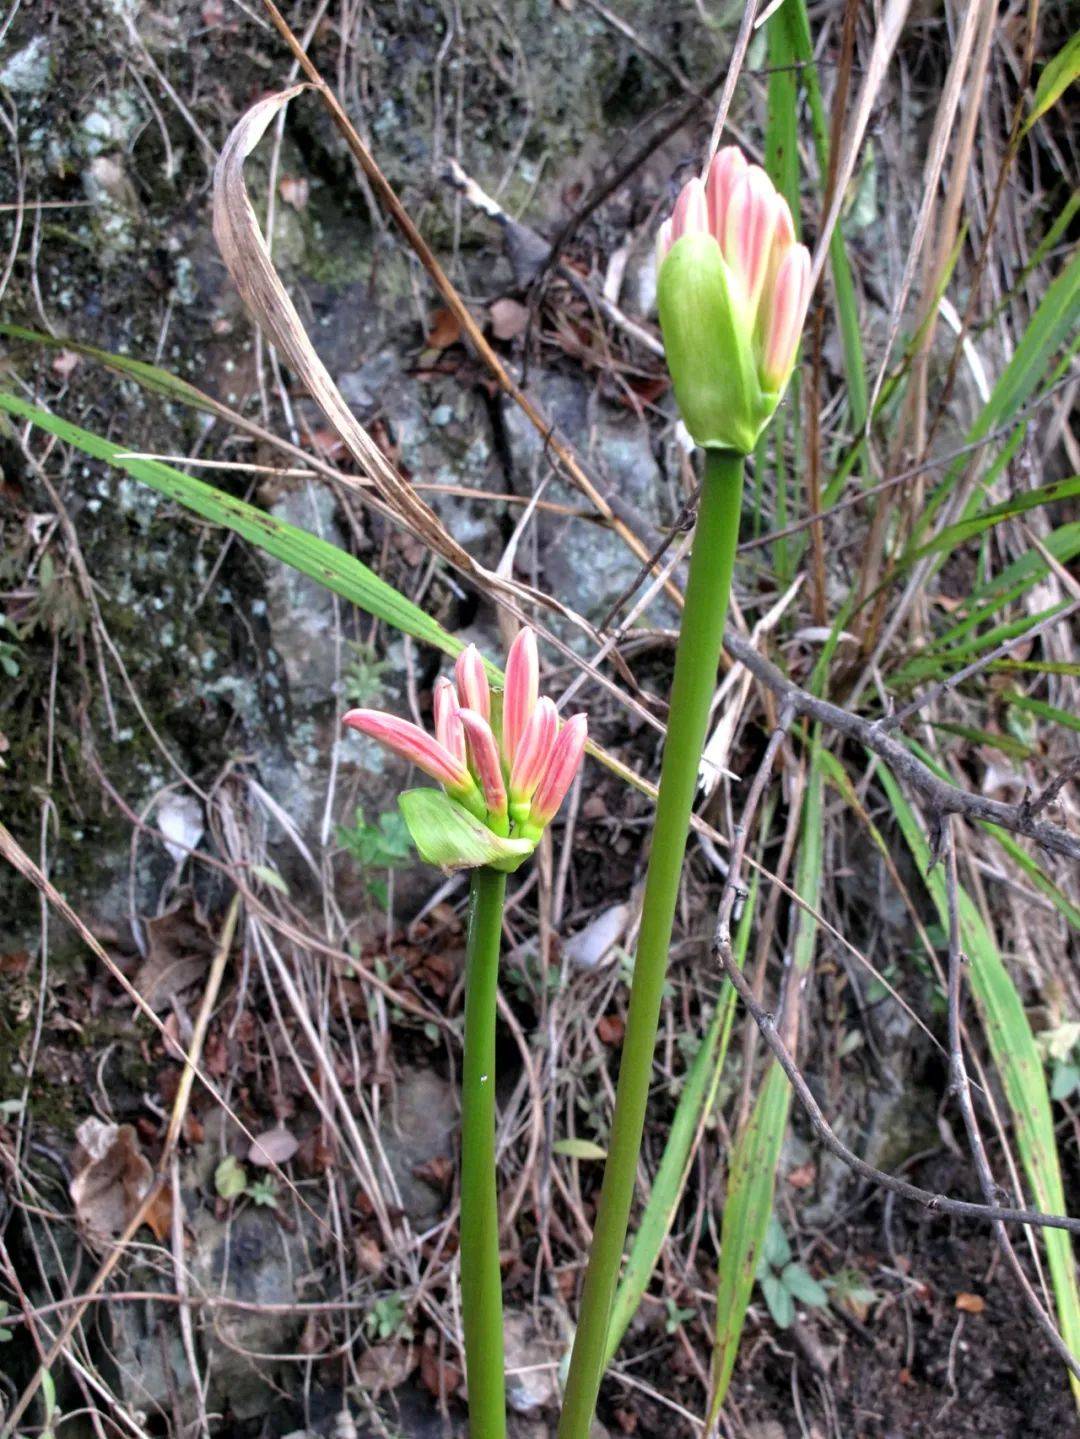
[481, 1280]
[695, 1103]
[696, 664]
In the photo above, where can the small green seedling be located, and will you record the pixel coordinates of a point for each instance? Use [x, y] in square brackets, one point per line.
[783, 1282]
[380, 846]
[387, 1319]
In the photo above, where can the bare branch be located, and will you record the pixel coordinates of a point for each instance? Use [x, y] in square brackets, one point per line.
[962, 1208]
[940, 797]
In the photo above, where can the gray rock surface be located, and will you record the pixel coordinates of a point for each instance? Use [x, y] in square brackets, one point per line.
[419, 1125]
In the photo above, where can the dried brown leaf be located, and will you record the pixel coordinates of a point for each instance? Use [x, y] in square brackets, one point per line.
[179, 949]
[111, 1178]
[247, 258]
[445, 330]
[294, 190]
[276, 1146]
[386, 1366]
[509, 319]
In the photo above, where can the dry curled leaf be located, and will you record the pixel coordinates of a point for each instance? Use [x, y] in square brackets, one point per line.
[386, 1366]
[179, 949]
[159, 1213]
[64, 362]
[276, 1146]
[444, 331]
[437, 1375]
[802, 1176]
[294, 190]
[247, 258]
[111, 1178]
[509, 319]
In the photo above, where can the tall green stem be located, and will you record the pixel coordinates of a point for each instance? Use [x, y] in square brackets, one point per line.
[696, 661]
[481, 1279]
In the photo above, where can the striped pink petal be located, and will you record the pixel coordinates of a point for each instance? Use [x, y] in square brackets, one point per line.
[472, 682]
[448, 727]
[787, 311]
[484, 755]
[748, 232]
[522, 688]
[563, 764]
[784, 234]
[533, 751]
[412, 743]
[691, 213]
[728, 166]
[663, 242]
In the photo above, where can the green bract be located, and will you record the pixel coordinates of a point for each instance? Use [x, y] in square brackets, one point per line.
[449, 836]
[709, 341]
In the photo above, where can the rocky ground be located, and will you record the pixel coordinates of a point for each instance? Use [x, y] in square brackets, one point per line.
[167, 677]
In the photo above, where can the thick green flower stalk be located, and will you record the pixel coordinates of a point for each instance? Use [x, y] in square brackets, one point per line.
[503, 779]
[732, 290]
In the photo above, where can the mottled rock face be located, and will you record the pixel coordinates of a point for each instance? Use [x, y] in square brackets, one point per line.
[419, 1129]
[255, 1260]
[531, 1365]
[587, 566]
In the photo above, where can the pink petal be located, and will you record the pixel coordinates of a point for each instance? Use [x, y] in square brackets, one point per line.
[784, 235]
[410, 742]
[562, 766]
[522, 688]
[691, 213]
[663, 242]
[748, 232]
[448, 728]
[484, 753]
[729, 165]
[788, 302]
[534, 750]
[472, 682]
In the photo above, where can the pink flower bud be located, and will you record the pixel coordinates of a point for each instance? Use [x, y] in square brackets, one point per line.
[691, 213]
[563, 764]
[448, 728]
[472, 682]
[785, 315]
[728, 166]
[522, 688]
[749, 227]
[533, 751]
[411, 743]
[484, 754]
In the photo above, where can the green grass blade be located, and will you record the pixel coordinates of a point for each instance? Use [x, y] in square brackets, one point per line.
[150, 377]
[1045, 335]
[749, 1204]
[801, 48]
[957, 534]
[696, 1100]
[1057, 75]
[1006, 744]
[1034, 871]
[939, 662]
[1017, 1060]
[1042, 709]
[324, 562]
[752, 1180]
